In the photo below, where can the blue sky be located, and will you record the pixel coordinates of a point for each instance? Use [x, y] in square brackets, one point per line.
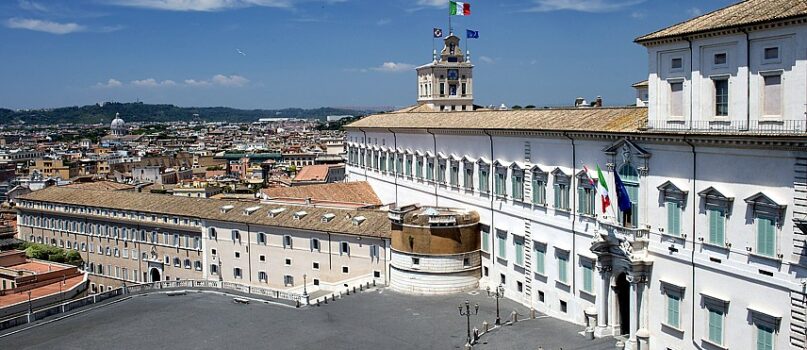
[311, 53]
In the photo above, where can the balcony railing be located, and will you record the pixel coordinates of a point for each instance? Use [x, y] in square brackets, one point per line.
[727, 126]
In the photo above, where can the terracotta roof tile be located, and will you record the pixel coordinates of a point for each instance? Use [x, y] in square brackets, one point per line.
[607, 119]
[313, 173]
[375, 225]
[743, 13]
[346, 192]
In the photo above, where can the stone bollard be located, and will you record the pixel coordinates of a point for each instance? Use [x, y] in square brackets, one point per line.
[514, 317]
[373, 282]
[354, 289]
[297, 304]
[485, 326]
[317, 302]
[620, 345]
[533, 314]
[361, 288]
[333, 297]
[348, 291]
[475, 335]
[368, 285]
[326, 299]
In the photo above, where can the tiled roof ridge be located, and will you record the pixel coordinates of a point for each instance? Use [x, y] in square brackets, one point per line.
[562, 108]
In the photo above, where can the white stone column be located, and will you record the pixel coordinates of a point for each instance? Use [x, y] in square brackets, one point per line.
[634, 312]
[602, 302]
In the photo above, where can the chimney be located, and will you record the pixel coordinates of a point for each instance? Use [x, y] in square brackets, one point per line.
[598, 102]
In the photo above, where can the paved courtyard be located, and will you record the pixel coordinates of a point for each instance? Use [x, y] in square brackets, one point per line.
[378, 319]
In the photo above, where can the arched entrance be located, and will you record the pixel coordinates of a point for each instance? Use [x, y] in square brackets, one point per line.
[155, 275]
[622, 290]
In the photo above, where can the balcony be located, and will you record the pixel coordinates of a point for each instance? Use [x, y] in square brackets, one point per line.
[615, 240]
[726, 126]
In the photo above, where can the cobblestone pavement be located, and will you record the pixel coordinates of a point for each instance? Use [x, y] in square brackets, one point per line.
[376, 319]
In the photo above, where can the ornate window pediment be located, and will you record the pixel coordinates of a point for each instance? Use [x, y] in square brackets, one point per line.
[518, 166]
[711, 194]
[583, 178]
[623, 145]
[559, 174]
[762, 203]
[669, 189]
[483, 160]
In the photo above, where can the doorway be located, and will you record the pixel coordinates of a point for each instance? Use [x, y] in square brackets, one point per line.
[155, 275]
[623, 303]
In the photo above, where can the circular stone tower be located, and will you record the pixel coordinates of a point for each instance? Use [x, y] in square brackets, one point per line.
[434, 250]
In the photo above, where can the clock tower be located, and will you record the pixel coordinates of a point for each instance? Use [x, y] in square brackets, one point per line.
[446, 84]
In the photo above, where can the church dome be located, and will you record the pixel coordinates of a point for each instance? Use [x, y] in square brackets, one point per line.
[118, 126]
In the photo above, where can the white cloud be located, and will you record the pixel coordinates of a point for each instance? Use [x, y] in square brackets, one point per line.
[32, 6]
[111, 83]
[193, 82]
[201, 5]
[230, 80]
[582, 5]
[44, 26]
[151, 82]
[487, 59]
[638, 14]
[694, 12]
[393, 67]
[383, 22]
[433, 3]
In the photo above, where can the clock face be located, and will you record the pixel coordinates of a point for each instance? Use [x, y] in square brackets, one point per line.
[453, 74]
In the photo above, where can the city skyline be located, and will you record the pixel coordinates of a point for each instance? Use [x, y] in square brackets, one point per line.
[275, 54]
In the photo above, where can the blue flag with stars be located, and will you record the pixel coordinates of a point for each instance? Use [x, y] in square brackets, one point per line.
[472, 34]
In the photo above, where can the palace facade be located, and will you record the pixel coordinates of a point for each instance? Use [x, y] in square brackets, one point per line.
[712, 252]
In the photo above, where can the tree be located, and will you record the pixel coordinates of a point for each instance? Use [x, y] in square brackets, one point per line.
[516, 107]
[529, 107]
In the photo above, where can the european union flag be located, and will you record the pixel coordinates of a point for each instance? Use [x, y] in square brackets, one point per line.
[472, 34]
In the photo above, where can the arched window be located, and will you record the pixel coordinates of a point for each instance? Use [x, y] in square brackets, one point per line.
[177, 262]
[187, 263]
[261, 238]
[197, 265]
[212, 232]
[630, 177]
[262, 276]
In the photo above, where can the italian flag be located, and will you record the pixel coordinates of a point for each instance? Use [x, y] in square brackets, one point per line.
[603, 189]
[457, 8]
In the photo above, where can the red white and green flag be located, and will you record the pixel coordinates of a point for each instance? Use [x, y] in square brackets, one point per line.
[602, 188]
[457, 8]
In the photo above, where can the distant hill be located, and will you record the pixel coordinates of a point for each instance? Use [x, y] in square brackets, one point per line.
[141, 112]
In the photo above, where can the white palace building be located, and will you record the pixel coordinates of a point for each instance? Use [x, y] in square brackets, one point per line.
[712, 255]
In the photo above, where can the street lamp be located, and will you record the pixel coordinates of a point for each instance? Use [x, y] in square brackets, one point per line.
[305, 291]
[467, 313]
[499, 293]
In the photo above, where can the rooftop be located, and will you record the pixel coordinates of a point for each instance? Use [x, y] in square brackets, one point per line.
[102, 186]
[748, 12]
[606, 119]
[312, 173]
[346, 192]
[376, 224]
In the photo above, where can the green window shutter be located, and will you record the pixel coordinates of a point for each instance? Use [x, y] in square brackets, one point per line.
[716, 227]
[764, 337]
[765, 236]
[673, 219]
[486, 241]
[581, 200]
[673, 310]
[502, 246]
[587, 282]
[558, 204]
[562, 269]
[519, 251]
[716, 327]
[540, 256]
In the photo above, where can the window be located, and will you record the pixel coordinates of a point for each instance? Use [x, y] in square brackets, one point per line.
[485, 238]
[538, 187]
[441, 171]
[177, 262]
[415, 262]
[236, 236]
[721, 87]
[214, 269]
[771, 53]
[673, 218]
[499, 181]
[561, 196]
[187, 263]
[673, 310]
[766, 235]
[484, 186]
[630, 178]
[315, 265]
[287, 242]
[430, 170]
[237, 272]
[676, 63]
[314, 244]
[262, 276]
[468, 178]
[720, 59]
[261, 238]
[262, 258]
[518, 244]
[345, 269]
[288, 261]
[764, 334]
[374, 252]
[588, 270]
[540, 259]
[586, 196]
[772, 94]
[715, 325]
[501, 236]
[419, 168]
[717, 225]
[409, 159]
[677, 99]
[237, 255]
[399, 164]
[563, 267]
[197, 265]
[454, 176]
[288, 280]
[517, 182]
[344, 248]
